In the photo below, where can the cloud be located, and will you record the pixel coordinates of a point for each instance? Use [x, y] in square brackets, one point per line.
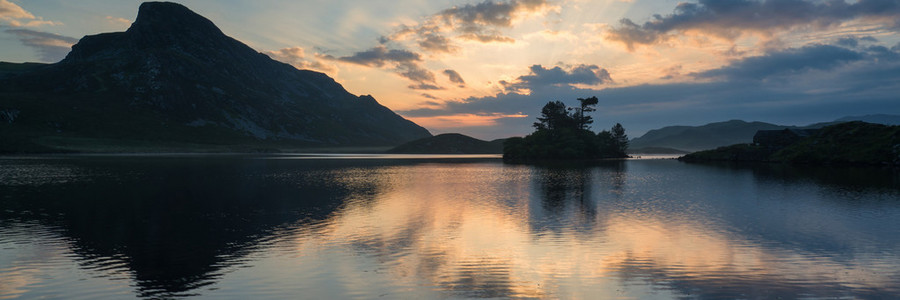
[424, 86]
[732, 19]
[454, 77]
[789, 61]
[437, 33]
[852, 41]
[15, 16]
[833, 82]
[434, 42]
[50, 47]
[473, 18]
[296, 56]
[557, 76]
[481, 22]
[403, 62]
[117, 20]
[489, 37]
[415, 72]
[13, 11]
[672, 72]
[381, 55]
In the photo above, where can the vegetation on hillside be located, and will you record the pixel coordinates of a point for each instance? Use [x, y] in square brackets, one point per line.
[449, 143]
[845, 143]
[563, 133]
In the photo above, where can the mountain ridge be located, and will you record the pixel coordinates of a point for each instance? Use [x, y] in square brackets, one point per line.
[450, 143]
[719, 134]
[174, 76]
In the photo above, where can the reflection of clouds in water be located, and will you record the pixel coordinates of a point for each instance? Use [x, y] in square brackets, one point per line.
[351, 229]
[32, 256]
[696, 260]
[461, 230]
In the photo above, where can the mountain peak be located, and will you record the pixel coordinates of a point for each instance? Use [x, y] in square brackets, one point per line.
[159, 25]
[172, 20]
[174, 75]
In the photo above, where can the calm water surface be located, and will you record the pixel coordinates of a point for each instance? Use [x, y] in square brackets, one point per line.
[338, 227]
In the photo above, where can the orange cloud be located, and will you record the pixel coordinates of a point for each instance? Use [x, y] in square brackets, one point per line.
[296, 56]
[16, 16]
[463, 120]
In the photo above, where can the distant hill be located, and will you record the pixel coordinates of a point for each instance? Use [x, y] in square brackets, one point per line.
[709, 136]
[655, 150]
[9, 69]
[450, 143]
[714, 135]
[174, 81]
[874, 119]
[844, 143]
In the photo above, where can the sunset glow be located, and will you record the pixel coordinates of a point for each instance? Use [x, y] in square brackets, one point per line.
[480, 67]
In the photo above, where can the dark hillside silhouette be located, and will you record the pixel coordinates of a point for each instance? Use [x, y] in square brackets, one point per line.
[174, 80]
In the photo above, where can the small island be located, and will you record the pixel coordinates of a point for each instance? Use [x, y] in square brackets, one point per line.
[563, 133]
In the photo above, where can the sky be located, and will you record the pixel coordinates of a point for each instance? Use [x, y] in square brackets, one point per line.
[485, 68]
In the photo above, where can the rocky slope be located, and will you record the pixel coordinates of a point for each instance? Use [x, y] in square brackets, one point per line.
[173, 78]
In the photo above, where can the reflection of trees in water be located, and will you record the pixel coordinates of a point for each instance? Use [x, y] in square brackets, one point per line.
[567, 193]
[175, 225]
[837, 178]
[559, 186]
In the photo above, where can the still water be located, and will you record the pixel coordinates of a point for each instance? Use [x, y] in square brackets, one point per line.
[320, 227]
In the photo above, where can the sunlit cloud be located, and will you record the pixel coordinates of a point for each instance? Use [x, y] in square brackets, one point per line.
[51, 47]
[733, 19]
[381, 55]
[782, 86]
[501, 57]
[424, 86]
[13, 11]
[15, 16]
[557, 76]
[296, 56]
[481, 22]
[434, 42]
[432, 97]
[463, 120]
[412, 47]
[405, 63]
[454, 77]
[118, 20]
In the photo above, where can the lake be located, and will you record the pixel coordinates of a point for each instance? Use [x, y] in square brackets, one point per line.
[424, 227]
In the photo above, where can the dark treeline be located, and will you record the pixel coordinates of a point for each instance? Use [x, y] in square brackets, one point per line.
[563, 133]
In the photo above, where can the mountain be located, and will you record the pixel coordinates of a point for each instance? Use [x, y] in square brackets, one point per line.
[655, 150]
[714, 135]
[709, 136]
[874, 119]
[450, 143]
[174, 80]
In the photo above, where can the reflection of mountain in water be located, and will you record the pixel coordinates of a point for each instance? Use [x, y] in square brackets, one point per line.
[174, 224]
[631, 229]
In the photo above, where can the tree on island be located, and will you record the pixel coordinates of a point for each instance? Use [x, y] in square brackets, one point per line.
[587, 105]
[564, 135]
